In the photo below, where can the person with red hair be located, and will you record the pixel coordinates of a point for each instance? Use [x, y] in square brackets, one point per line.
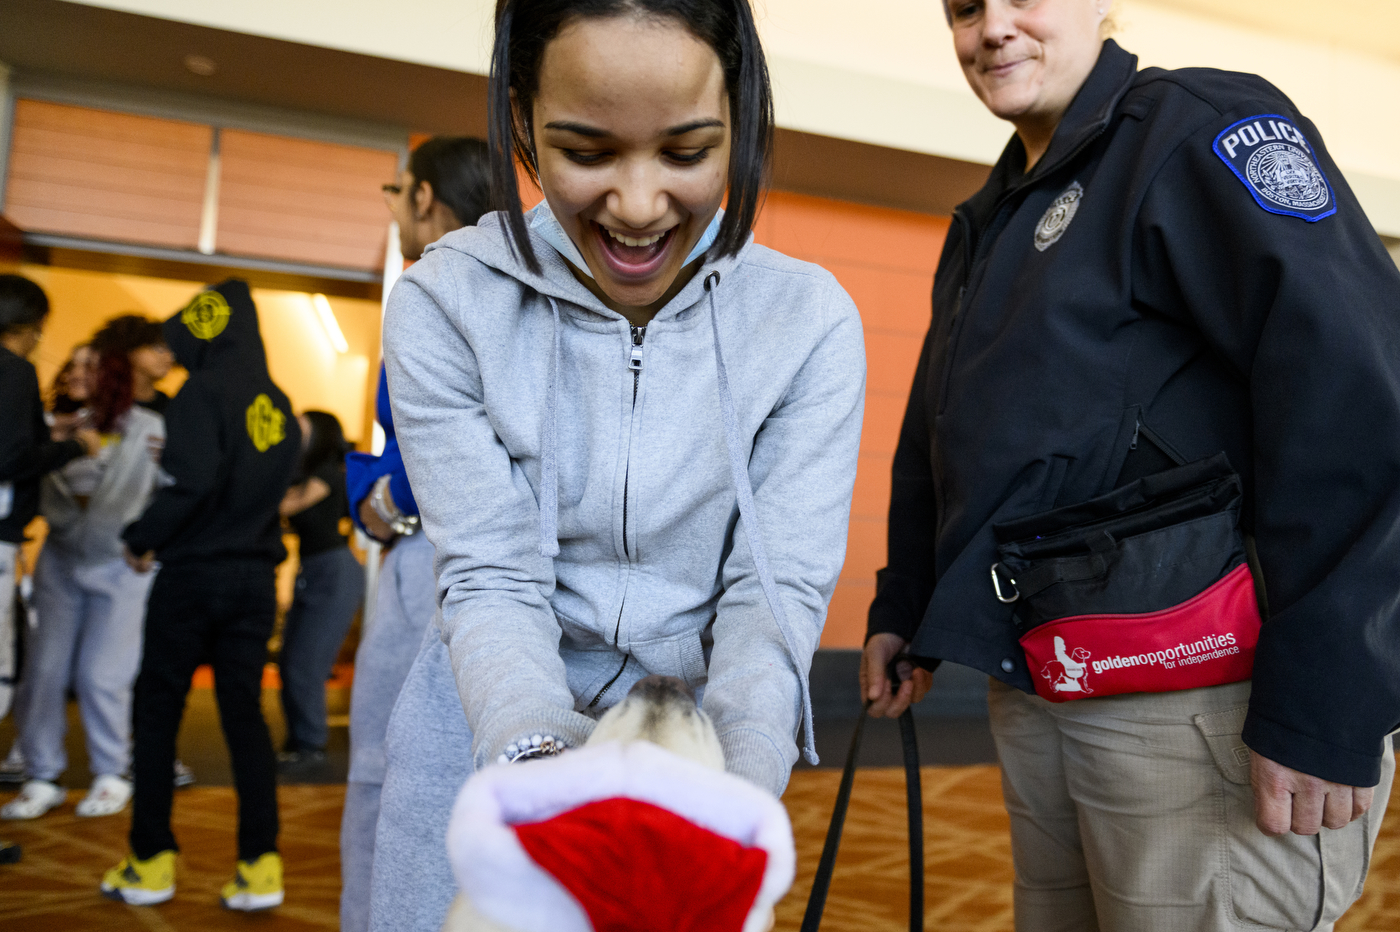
[89, 602]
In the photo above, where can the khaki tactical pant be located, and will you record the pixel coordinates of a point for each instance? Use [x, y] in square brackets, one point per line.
[1134, 814]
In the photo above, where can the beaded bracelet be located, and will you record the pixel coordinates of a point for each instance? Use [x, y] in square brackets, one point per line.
[532, 747]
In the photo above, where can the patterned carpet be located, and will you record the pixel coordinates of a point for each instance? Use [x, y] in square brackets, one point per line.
[967, 854]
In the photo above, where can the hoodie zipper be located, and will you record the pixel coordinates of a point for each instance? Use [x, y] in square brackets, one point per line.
[634, 365]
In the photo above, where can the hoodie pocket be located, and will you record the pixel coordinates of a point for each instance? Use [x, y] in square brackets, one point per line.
[690, 660]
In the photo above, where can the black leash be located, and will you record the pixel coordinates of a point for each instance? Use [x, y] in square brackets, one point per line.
[821, 885]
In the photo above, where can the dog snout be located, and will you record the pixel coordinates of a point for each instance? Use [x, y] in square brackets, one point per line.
[662, 689]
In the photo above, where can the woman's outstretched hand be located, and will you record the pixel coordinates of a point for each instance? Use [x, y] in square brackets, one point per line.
[914, 682]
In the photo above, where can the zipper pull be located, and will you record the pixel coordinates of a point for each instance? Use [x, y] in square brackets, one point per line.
[1137, 429]
[635, 361]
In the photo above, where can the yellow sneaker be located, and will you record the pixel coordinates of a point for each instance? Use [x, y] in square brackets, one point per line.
[255, 886]
[141, 883]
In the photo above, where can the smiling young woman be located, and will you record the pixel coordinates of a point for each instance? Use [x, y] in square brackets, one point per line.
[632, 433]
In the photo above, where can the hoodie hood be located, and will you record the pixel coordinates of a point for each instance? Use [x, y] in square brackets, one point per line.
[218, 329]
[489, 242]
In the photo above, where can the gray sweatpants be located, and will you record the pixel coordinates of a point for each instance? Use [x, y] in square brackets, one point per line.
[404, 606]
[430, 751]
[1135, 813]
[89, 637]
[9, 622]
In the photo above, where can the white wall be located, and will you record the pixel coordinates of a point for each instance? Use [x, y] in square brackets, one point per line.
[883, 71]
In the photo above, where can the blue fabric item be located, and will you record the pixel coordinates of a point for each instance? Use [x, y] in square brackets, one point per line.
[542, 221]
[362, 470]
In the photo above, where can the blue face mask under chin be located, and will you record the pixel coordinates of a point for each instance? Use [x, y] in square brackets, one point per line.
[543, 222]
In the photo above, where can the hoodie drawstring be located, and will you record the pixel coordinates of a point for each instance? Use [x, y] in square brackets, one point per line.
[748, 513]
[549, 467]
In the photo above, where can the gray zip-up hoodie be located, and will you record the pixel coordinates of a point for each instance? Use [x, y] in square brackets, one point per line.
[584, 493]
[94, 534]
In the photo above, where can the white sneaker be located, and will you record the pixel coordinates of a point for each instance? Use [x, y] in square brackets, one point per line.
[12, 769]
[36, 798]
[108, 796]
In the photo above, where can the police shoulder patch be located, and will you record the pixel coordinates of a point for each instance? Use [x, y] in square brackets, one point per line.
[1275, 161]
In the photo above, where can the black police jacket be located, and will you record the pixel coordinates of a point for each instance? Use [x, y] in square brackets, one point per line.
[231, 440]
[1184, 272]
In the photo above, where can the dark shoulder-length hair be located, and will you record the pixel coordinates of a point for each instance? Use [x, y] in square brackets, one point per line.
[459, 170]
[525, 27]
[327, 443]
[113, 386]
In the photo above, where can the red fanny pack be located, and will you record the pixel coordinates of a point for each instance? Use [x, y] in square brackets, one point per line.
[1145, 589]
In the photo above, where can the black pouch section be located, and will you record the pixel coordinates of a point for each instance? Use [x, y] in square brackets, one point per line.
[1144, 547]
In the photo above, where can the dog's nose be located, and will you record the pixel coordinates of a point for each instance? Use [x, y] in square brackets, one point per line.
[657, 688]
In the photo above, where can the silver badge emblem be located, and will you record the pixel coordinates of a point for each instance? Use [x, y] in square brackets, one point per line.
[1284, 174]
[1057, 217]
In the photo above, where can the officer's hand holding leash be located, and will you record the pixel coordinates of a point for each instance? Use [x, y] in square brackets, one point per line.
[914, 682]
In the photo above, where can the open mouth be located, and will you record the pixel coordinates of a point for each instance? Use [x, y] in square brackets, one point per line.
[634, 257]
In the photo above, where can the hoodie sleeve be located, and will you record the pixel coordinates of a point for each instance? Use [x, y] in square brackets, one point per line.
[802, 467]
[26, 452]
[480, 512]
[194, 449]
[1307, 311]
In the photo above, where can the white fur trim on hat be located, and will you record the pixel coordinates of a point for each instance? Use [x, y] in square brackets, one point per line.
[506, 886]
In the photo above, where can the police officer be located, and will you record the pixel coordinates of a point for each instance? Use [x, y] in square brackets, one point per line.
[1163, 266]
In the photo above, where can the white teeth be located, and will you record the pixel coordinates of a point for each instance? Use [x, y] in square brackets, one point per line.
[633, 241]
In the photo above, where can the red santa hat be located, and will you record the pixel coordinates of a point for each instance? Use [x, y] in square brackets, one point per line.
[620, 838]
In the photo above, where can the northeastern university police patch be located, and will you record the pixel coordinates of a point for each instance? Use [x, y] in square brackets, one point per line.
[1275, 162]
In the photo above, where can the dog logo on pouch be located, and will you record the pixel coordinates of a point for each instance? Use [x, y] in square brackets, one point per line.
[206, 316]
[1069, 671]
[267, 426]
[1057, 217]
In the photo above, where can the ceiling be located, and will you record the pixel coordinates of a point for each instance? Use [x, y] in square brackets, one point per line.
[77, 41]
[68, 41]
[1365, 25]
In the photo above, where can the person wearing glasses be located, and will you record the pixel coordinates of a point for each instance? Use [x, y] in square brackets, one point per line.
[446, 186]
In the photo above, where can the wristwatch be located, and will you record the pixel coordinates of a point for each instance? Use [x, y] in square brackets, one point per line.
[383, 504]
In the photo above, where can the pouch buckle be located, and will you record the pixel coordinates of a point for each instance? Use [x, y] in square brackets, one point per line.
[1010, 581]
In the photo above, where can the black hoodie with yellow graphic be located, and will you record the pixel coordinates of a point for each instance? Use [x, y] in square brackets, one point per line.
[232, 442]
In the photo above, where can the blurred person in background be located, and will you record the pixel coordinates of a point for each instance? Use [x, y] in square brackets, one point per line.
[232, 450]
[72, 385]
[28, 447]
[28, 450]
[446, 186]
[67, 398]
[90, 604]
[329, 587]
[140, 340]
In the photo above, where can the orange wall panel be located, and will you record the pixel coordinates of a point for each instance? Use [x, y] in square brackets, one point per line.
[102, 175]
[301, 200]
[872, 495]
[885, 259]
